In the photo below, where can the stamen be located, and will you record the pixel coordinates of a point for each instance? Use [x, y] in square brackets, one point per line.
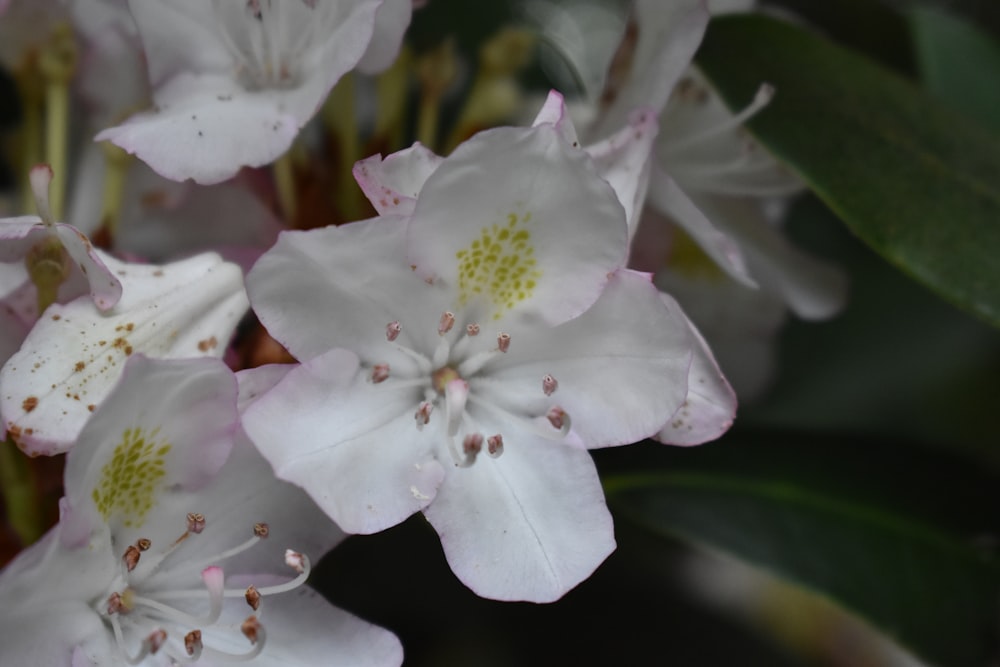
[549, 385]
[214, 580]
[446, 323]
[380, 373]
[131, 557]
[472, 444]
[760, 100]
[116, 628]
[472, 329]
[494, 445]
[192, 644]
[392, 330]
[558, 418]
[503, 342]
[423, 414]
[40, 178]
[456, 393]
[295, 560]
[155, 640]
[116, 605]
[261, 530]
[251, 629]
[195, 522]
[252, 597]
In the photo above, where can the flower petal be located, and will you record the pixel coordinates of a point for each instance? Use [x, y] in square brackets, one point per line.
[353, 445]
[710, 406]
[391, 21]
[621, 367]
[529, 525]
[392, 184]
[518, 220]
[70, 634]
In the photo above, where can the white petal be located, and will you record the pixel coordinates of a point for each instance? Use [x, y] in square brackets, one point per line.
[518, 220]
[529, 525]
[392, 184]
[622, 367]
[74, 354]
[710, 406]
[56, 635]
[352, 445]
[137, 439]
[391, 21]
[555, 113]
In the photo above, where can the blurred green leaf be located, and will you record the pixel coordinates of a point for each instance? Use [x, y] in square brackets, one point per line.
[959, 63]
[918, 581]
[916, 181]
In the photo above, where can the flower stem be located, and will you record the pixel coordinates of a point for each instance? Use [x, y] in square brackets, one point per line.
[20, 494]
[284, 183]
[435, 71]
[57, 64]
[116, 163]
[340, 117]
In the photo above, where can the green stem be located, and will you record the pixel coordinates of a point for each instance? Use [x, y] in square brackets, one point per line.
[19, 493]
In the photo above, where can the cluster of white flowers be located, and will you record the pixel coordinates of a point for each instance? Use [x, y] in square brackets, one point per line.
[456, 355]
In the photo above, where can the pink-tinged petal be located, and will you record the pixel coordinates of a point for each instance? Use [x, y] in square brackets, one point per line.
[666, 196]
[555, 113]
[710, 406]
[13, 276]
[358, 268]
[207, 129]
[13, 330]
[18, 235]
[529, 525]
[391, 21]
[621, 367]
[516, 222]
[73, 356]
[353, 444]
[812, 289]
[105, 288]
[623, 160]
[132, 439]
[392, 184]
[304, 630]
[668, 36]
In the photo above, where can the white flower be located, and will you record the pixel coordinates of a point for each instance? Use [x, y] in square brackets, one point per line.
[235, 80]
[172, 550]
[459, 360]
[74, 354]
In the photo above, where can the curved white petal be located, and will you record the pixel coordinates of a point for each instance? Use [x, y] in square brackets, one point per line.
[56, 635]
[393, 184]
[391, 21]
[352, 445]
[529, 525]
[518, 220]
[621, 367]
[710, 406]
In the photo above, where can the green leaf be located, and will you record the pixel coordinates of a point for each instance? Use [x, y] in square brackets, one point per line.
[916, 181]
[959, 63]
[918, 582]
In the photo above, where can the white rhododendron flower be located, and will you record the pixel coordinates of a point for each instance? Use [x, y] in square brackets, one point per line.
[74, 354]
[493, 336]
[235, 80]
[174, 546]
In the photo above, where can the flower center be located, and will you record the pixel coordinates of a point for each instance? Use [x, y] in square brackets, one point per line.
[268, 40]
[143, 612]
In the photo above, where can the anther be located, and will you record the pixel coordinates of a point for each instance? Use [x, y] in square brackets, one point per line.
[446, 323]
[503, 342]
[392, 331]
[472, 444]
[423, 414]
[192, 642]
[116, 605]
[494, 445]
[195, 522]
[472, 329]
[143, 544]
[557, 417]
[295, 560]
[155, 640]
[252, 598]
[380, 373]
[549, 385]
[251, 628]
[131, 557]
[261, 530]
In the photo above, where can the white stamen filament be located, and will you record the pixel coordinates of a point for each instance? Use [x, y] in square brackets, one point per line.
[456, 393]
[214, 580]
[526, 421]
[760, 100]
